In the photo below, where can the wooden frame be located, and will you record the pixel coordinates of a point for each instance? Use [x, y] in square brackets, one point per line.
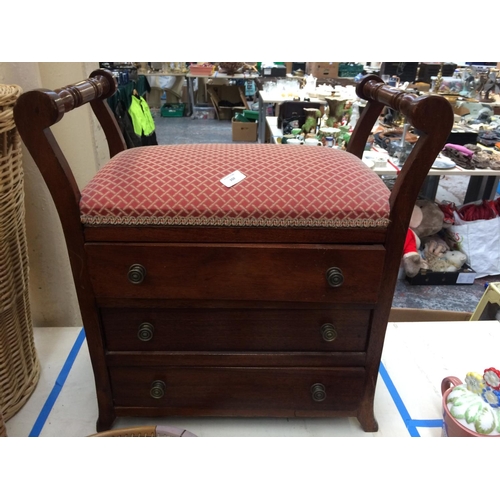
[38, 110]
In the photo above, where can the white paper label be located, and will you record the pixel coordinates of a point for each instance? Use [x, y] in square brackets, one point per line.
[232, 179]
[466, 278]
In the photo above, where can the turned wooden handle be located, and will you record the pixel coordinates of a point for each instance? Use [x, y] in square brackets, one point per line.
[47, 107]
[101, 84]
[416, 109]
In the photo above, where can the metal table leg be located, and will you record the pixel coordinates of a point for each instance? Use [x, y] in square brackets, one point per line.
[430, 187]
[481, 188]
[190, 96]
[261, 127]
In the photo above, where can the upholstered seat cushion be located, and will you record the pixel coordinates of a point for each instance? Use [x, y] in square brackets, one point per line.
[294, 186]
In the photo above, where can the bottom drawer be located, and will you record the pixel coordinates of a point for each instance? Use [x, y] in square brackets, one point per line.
[214, 391]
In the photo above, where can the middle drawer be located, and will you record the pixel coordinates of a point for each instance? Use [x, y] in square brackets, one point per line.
[235, 329]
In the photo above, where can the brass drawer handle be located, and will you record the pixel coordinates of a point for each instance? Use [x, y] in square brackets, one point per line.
[158, 389]
[334, 277]
[318, 392]
[145, 332]
[328, 332]
[136, 274]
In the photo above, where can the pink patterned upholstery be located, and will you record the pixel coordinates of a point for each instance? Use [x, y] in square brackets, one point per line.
[294, 186]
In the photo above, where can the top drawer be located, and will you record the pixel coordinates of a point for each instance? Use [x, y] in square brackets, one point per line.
[298, 273]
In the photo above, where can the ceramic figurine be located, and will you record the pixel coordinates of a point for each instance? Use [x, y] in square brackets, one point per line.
[336, 108]
[476, 403]
[312, 115]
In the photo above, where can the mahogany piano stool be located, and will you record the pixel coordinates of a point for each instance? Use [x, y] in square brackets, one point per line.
[269, 298]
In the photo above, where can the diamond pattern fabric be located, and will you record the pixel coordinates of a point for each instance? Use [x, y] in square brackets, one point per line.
[288, 186]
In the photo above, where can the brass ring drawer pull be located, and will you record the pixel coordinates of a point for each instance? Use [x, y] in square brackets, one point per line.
[136, 274]
[145, 332]
[158, 389]
[318, 392]
[334, 277]
[328, 332]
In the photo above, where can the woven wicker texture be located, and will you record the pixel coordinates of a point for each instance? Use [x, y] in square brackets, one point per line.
[3, 430]
[146, 431]
[19, 366]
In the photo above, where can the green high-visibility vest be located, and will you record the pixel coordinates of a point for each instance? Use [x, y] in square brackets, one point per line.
[141, 116]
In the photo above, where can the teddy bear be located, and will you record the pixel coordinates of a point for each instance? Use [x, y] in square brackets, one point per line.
[426, 221]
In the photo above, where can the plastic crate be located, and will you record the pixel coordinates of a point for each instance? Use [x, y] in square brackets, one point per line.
[350, 70]
[172, 110]
[203, 113]
[251, 115]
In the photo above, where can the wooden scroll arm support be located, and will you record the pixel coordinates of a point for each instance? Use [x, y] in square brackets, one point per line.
[431, 115]
[34, 113]
[37, 110]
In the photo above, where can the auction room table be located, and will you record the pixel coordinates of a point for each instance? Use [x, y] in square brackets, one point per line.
[190, 77]
[483, 184]
[272, 98]
[416, 357]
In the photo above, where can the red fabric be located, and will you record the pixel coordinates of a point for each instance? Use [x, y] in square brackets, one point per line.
[448, 210]
[410, 242]
[296, 186]
[484, 210]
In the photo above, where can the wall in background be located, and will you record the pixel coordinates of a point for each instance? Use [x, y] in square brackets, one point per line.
[52, 293]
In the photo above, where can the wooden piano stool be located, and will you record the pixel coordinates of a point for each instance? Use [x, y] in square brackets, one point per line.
[269, 298]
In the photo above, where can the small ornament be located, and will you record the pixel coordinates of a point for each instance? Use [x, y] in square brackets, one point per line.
[492, 378]
[475, 382]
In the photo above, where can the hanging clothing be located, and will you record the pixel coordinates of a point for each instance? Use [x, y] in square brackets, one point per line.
[125, 123]
[142, 121]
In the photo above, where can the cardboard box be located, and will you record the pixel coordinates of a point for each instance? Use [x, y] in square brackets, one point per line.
[229, 93]
[277, 71]
[225, 97]
[225, 113]
[323, 69]
[464, 276]
[244, 131]
[410, 315]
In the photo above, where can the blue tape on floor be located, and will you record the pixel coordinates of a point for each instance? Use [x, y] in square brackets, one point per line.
[61, 379]
[398, 402]
[427, 423]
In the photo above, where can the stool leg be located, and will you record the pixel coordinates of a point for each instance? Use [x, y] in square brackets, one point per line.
[366, 416]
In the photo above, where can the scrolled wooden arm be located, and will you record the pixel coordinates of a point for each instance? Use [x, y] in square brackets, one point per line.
[37, 110]
[100, 85]
[431, 115]
[414, 108]
[50, 105]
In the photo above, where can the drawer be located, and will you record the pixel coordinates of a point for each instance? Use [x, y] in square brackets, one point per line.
[298, 273]
[235, 329]
[213, 391]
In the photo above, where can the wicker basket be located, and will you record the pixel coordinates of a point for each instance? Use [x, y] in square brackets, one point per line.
[19, 366]
[3, 430]
[147, 431]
